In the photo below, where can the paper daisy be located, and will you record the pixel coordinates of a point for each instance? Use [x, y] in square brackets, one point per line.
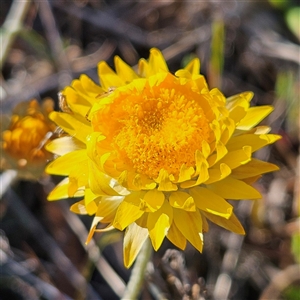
[157, 154]
[23, 140]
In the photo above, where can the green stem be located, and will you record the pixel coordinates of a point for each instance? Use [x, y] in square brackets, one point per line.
[11, 26]
[138, 272]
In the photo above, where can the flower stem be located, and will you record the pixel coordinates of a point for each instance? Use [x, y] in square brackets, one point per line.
[137, 275]
[12, 26]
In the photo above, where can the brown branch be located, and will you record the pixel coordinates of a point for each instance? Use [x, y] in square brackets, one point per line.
[280, 282]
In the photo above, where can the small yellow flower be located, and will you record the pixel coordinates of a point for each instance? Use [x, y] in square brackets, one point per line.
[158, 154]
[24, 140]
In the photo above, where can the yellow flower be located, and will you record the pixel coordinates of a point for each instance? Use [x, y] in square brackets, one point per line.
[25, 137]
[158, 154]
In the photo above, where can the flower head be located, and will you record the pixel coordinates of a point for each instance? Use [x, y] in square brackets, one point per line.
[24, 139]
[158, 154]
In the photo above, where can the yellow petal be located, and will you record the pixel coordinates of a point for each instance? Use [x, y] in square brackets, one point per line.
[142, 181]
[182, 200]
[164, 182]
[96, 220]
[238, 112]
[143, 67]
[90, 205]
[158, 224]
[99, 182]
[215, 127]
[208, 201]
[231, 224]
[262, 129]
[124, 71]
[188, 184]
[233, 100]
[134, 239]
[106, 229]
[108, 78]
[154, 199]
[205, 150]
[90, 88]
[126, 214]
[184, 74]
[135, 197]
[158, 78]
[64, 145]
[73, 186]
[218, 174]
[201, 170]
[79, 208]
[230, 188]
[255, 141]
[190, 225]
[78, 177]
[107, 208]
[193, 66]
[218, 97]
[72, 125]
[77, 102]
[253, 168]
[200, 159]
[126, 179]
[142, 221]
[201, 166]
[93, 229]
[157, 62]
[64, 165]
[109, 227]
[234, 159]
[61, 191]
[221, 152]
[94, 140]
[254, 116]
[185, 173]
[176, 237]
[228, 130]
[251, 180]
[202, 85]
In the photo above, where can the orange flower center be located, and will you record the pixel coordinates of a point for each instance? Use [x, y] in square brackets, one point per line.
[157, 128]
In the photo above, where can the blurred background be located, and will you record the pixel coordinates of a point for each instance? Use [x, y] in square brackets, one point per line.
[243, 46]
